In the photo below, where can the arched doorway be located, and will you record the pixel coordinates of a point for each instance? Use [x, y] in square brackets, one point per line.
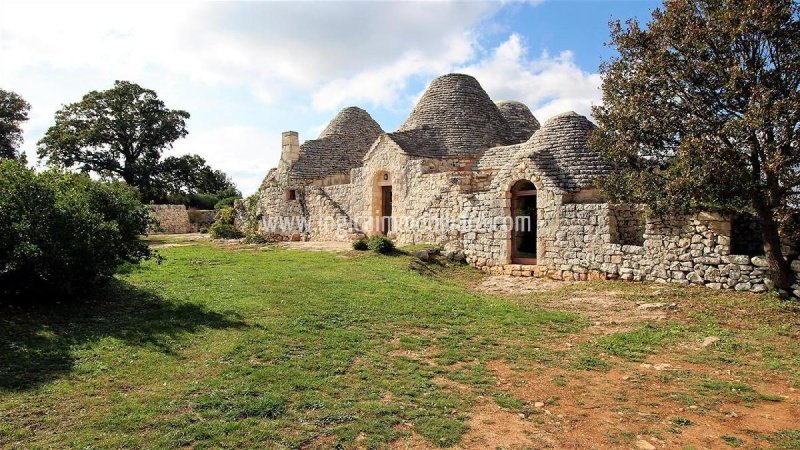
[523, 213]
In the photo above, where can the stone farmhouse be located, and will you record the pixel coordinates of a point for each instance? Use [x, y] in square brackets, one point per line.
[490, 184]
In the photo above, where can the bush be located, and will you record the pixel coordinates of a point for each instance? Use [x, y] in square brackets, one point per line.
[225, 231]
[381, 244]
[225, 203]
[201, 201]
[65, 233]
[361, 244]
[223, 227]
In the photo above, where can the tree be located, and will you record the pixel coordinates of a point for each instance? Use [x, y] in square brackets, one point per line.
[189, 180]
[13, 111]
[702, 109]
[64, 233]
[120, 132]
[190, 174]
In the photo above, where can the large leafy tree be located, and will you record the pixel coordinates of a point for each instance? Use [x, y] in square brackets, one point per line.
[188, 179]
[189, 174]
[702, 109]
[120, 132]
[13, 111]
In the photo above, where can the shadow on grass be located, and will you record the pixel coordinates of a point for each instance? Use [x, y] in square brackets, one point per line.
[37, 342]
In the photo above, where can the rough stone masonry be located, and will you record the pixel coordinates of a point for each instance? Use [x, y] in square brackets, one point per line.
[462, 170]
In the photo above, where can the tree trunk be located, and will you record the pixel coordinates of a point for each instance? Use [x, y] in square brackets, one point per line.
[782, 274]
[128, 174]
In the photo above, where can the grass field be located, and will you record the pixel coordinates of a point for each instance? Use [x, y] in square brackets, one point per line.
[272, 348]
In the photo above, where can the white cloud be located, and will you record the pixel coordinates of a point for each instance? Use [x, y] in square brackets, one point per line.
[273, 48]
[244, 153]
[549, 85]
[385, 86]
[246, 70]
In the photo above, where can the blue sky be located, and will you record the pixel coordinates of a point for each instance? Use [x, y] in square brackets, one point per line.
[248, 70]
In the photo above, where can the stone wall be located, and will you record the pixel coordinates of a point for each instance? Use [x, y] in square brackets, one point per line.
[201, 219]
[176, 219]
[172, 219]
[627, 224]
[692, 250]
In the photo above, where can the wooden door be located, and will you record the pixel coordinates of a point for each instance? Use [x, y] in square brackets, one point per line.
[523, 211]
[386, 209]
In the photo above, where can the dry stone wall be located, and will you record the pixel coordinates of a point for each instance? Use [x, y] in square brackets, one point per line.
[627, 224]
[201, 219]
[171, 219]
[176, 219]
[684, 250]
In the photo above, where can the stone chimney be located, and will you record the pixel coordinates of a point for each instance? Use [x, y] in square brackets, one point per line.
[290, 148]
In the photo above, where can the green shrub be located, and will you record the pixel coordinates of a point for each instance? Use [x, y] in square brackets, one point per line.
[381, 244]
[65, 233]
[254, 238]
[361, 244]
[225, 203]
[223, 227]
[201, 201]
[225, 231]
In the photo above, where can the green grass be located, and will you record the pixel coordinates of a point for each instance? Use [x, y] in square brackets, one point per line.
[231, 348]
[243, 347]
[785, 439]
[645, 340]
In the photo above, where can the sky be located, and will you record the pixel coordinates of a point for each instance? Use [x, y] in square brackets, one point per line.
[246, 71]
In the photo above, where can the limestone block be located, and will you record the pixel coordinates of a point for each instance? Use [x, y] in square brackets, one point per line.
[736, 259]
[758, 261]
[677, 275]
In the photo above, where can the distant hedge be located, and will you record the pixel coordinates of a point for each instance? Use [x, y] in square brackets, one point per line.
[64, 233]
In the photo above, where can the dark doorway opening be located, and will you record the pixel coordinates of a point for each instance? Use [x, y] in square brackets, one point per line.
[386, 209]
[523, 213]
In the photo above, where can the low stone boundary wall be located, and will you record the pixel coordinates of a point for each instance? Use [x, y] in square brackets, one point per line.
[524, 270]
[692, 250]
[170, 219]
[176, 219]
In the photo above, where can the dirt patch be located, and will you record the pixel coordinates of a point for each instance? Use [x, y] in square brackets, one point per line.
[324, 441]
[608, 311]
[611, 312]
[175, 240]
[626, 408]
[506, 284]
[492, 427]
[454, 385]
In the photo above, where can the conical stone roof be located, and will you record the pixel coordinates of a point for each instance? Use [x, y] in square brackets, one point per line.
[351, 124]
[519, 118]
[561, 150]
[340, 147]
[454, 117]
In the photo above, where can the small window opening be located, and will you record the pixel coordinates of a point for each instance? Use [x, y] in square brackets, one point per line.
[291, 194]
[630, 226]
[746, 236]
